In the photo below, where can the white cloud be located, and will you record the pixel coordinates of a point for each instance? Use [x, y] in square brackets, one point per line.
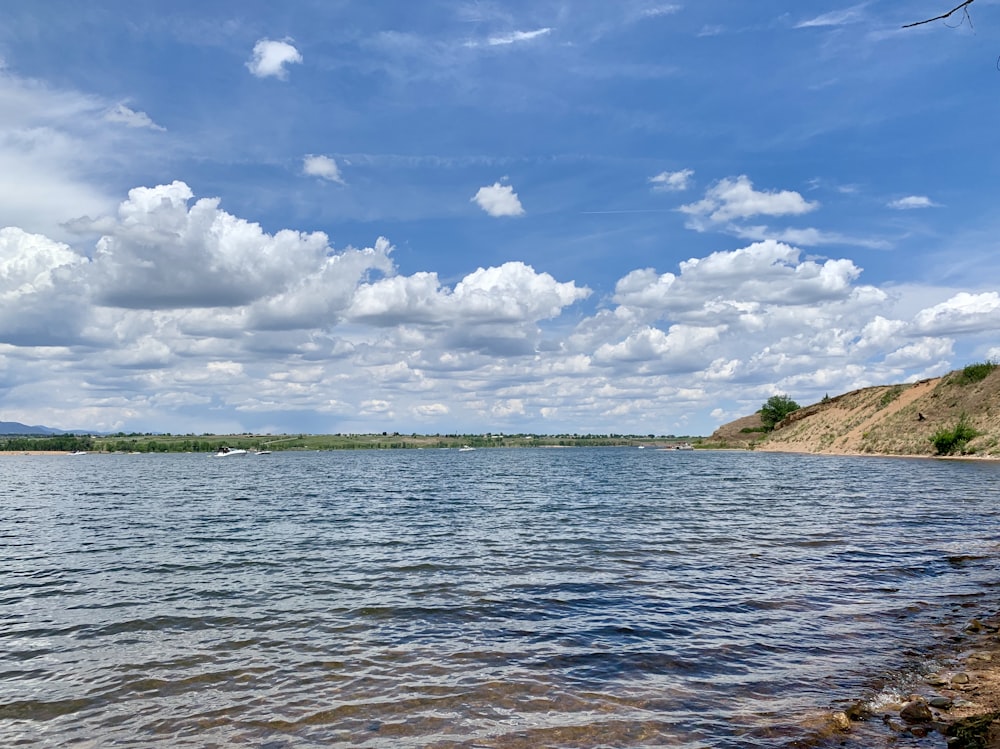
[270, 58]
[766, 271]
[807, 237]
[161, 254]
[41, 302]
[962, 313]
[510, 294]
[660, 10]
[201, 298]
[51, 143]
[835, 18]
[911, 202]
[681, 349]
[323, 293]
[879, 334]
[672, 181]
[735, 198]
[323, 167]
[376, 406]
[122, 115]
[517, 36]
[498, 200]
[920, 353]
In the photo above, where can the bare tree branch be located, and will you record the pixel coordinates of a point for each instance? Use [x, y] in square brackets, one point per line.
[957, 8]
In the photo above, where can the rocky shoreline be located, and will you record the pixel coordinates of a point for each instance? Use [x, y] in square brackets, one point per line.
[954, 704]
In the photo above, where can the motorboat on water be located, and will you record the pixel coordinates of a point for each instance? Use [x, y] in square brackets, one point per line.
[466, 449]
[225, 452]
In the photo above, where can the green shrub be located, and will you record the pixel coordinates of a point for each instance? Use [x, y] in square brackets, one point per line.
[976, 372]
[950, 441]
[890, 395]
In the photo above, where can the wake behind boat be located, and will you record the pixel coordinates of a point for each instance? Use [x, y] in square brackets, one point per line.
[225, 452]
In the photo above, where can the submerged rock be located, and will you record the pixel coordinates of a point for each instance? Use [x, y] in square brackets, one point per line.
[840, 722]
[858, 711]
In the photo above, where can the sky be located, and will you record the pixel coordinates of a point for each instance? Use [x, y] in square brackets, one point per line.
[464, 216]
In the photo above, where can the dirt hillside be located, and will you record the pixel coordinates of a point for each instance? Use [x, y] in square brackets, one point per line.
[906, 419]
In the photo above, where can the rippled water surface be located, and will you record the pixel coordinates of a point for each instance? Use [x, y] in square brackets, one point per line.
[497, 598]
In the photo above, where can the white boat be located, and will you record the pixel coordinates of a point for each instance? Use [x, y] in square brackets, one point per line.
[263, 452]
[225, 452]
[465, 449]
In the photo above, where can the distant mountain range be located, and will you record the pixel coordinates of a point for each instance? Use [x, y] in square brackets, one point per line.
[14, 427]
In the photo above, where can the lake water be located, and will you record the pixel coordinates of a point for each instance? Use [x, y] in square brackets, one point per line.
[497, 598]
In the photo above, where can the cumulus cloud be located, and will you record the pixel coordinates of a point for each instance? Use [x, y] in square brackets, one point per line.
[182, 297]
[270, 58]
[920, 353]
[122, 115]
[681, 349]
[498, 200]
[735, 198]
[766, 271]
[40, 301]
[323, 167]
[962, 313]
[747, 314]
[911, 202]
[672, 181]
[161, 254]
[432, 410]
[511, 293]
[322, 294]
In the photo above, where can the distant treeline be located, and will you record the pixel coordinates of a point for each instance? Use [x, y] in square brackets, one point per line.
[164, 443]
[67, 442]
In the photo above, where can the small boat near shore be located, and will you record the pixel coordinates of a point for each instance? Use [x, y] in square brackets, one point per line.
[226, 452]
[466, 449]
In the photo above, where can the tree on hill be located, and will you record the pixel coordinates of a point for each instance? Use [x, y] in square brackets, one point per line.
[775, 409]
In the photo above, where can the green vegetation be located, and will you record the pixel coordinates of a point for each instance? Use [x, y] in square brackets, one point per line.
[210, 443]
[776, 408]
[890, 395]
[950, 441]
[61, 442]
[976, 372]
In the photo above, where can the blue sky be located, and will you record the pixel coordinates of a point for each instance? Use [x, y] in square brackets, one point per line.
[446, 216]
